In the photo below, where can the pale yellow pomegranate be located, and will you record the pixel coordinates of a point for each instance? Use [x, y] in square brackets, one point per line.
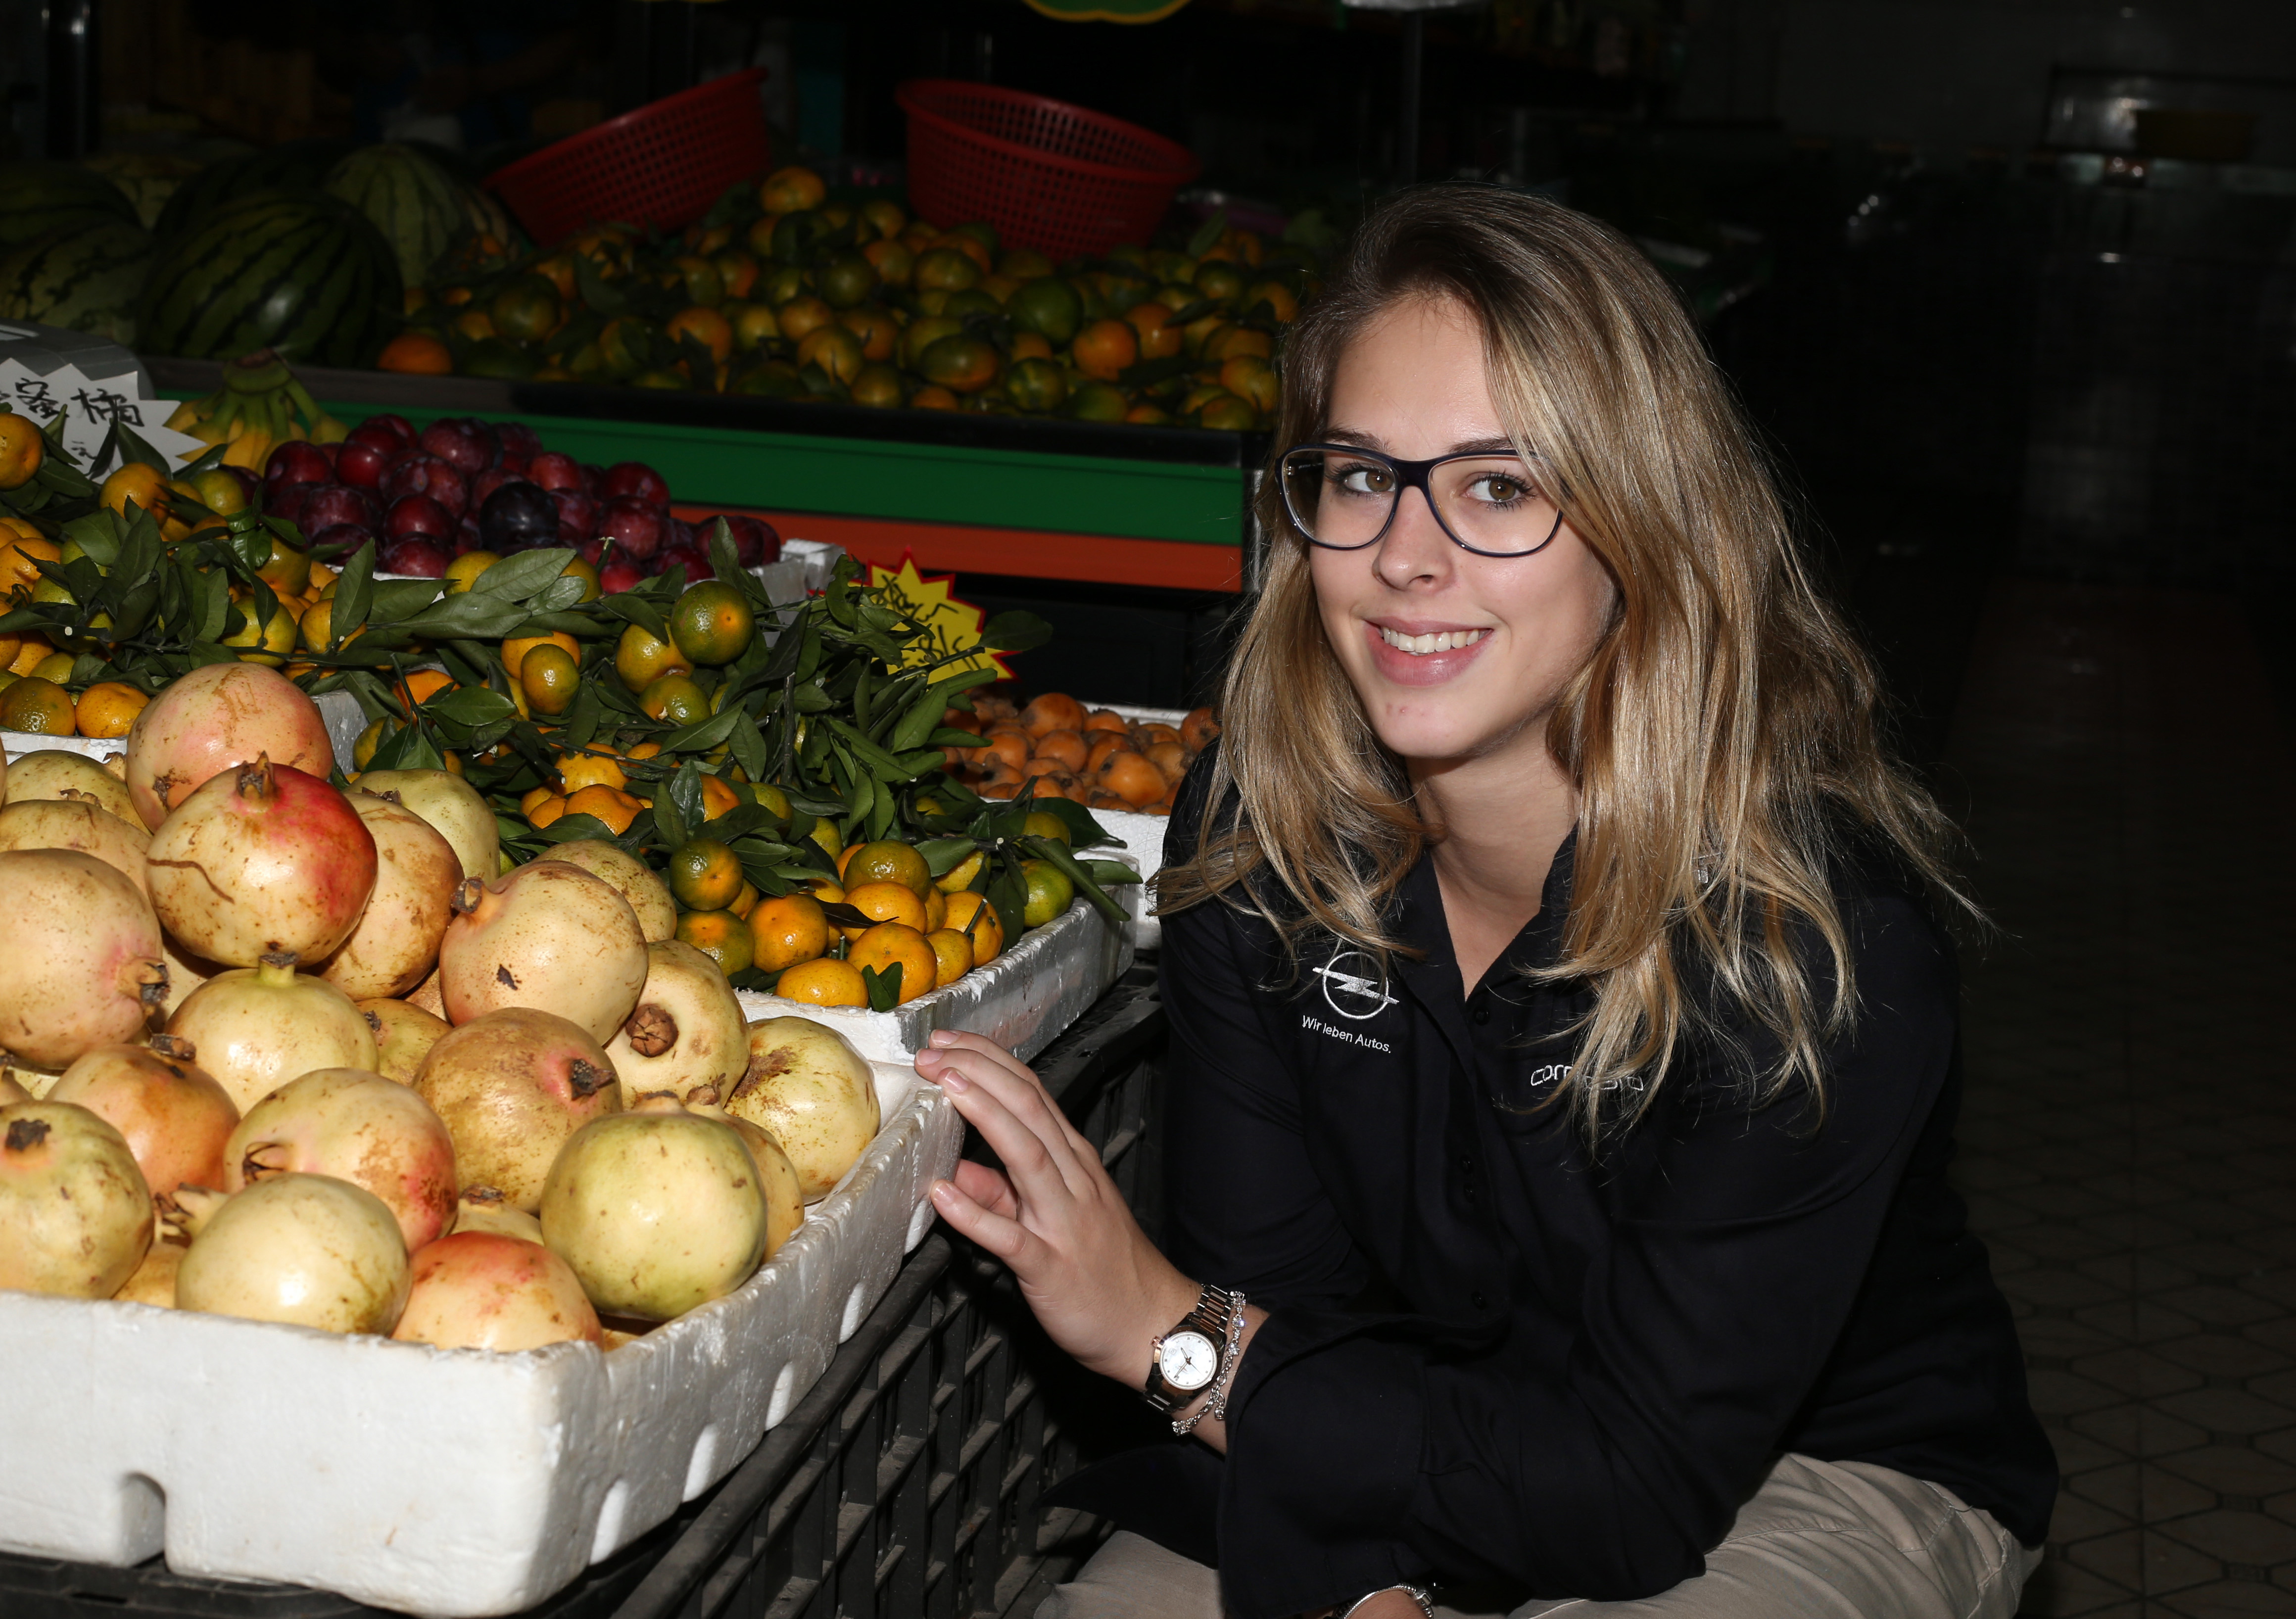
[629, 877]
[658, 1210]
[454, 808]
[215, 719]
[549, 936]
[358, 1127]
[78, 824]
[482, 1290]
[75, 1210]
[81, 961]
[176, 1116]
[482, 1208]
[74, 777]
[396, 943]
[404, 1035]
[513, 1086]
[807, 1088]
[308, 1250]
[785, 1199]
[256, 1028]
[155, 1280]
[686, 1030]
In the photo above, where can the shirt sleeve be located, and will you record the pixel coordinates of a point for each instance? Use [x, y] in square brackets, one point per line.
[1738, 1237]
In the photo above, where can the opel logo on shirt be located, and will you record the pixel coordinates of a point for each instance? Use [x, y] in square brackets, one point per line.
[1355, 986]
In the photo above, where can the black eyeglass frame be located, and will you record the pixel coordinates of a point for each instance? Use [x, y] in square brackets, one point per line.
[1408, 475]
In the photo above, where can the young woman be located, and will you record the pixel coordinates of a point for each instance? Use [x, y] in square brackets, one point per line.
[1563, 1062]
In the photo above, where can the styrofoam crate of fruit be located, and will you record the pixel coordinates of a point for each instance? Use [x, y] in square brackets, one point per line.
[1022, 999]
[1141, 836]
[434, 1482]
[339, 709]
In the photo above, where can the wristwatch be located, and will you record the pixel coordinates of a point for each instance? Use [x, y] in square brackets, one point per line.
[1182, 1362]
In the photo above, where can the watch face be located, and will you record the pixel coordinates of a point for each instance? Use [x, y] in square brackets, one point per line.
[1187, 1359]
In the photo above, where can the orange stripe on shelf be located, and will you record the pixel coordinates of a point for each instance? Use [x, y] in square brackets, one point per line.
[1026, 553]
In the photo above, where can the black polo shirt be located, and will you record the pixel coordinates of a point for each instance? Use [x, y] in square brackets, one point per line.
[1496, 1355]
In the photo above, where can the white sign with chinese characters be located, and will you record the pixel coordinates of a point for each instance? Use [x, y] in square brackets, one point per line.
[91, 407]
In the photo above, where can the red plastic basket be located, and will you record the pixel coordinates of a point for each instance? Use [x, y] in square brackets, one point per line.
[662, 165]
[1061, 179]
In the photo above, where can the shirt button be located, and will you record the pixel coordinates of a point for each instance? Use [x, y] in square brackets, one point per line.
[1481, 1014]
[1478, 1301]
[1466, 1167]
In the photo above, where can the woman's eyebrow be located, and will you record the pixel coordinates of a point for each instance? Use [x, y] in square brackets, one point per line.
[1499, 446]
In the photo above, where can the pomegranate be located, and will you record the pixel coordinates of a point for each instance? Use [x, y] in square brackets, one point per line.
[807, 1088]
[482, 1290]
[424, 998]
[453, 807]
[396, 943]
[404, 1035]
[77, 823]
[784, 1201]
[153, 1281]
[686, 1031]
[74, 1206]
[50, 773]
[185, 973]
[657, 1210]
[550, 936]
[308, 1250]
[260, 862]
[80, 962]
[484, 1209]
[513, 1086]
[629, 877]
[175, 1116]
[217, 716]
[256, 1028]
[359, 1127]
[11, 1089]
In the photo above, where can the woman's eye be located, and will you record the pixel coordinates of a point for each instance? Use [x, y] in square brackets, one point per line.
[1362, 479]
[1500, 489]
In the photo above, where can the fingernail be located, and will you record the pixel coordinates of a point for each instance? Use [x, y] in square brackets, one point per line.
[942, 1038]
[950, 1079]
[942, 1192]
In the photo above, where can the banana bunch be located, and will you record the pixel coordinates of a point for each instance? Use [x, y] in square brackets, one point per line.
[261, 405]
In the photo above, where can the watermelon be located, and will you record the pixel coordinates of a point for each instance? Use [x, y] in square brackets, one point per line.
[293, 165]
[416, 205]
[37, 198]
[85, 277]
[297, 271]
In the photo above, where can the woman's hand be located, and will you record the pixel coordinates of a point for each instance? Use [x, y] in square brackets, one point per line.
[1053, 1216]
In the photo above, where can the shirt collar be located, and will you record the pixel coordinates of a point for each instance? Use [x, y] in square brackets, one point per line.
[1419, 924]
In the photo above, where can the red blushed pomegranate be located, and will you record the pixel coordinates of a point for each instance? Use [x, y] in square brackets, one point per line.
[396, 943]
[76, 1210]
[215, 717]
[175, 1116]
[260, 862]
[308, 1250]
[513, 1086]
[478, 1290]
[256, 1029]
[358, 1127]
[81, 964]
[548, 936]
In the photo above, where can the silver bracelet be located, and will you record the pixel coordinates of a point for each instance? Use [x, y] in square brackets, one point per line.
[1231, 1350]
[1426, 1603]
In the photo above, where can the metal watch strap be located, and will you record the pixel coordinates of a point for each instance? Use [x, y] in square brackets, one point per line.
[1426, 1602]
[1209, 1317]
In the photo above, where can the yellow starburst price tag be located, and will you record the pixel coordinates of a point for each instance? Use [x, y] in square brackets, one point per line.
[951, 625]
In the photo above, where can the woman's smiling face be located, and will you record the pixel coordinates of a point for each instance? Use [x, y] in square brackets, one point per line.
[1456, 656]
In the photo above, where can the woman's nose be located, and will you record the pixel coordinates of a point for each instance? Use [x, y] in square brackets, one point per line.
[1414, 548]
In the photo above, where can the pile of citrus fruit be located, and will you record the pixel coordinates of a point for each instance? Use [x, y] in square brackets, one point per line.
[1054, 748]
[786, 293]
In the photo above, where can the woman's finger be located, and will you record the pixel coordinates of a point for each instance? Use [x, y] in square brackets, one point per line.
[1036, 1173]
[989, 1188]
[1015, 1244]
[976, 1061]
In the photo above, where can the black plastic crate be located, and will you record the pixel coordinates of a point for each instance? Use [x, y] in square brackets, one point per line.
[904, 1485]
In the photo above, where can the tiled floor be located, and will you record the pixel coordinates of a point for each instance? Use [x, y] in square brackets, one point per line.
[2131, 1131]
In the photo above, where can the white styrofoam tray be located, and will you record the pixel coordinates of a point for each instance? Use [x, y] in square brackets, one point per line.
[1022, 1000]
[1142, 836]
[434, 1482]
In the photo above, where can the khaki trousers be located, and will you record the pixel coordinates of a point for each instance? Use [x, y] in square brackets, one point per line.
[1818, 1541]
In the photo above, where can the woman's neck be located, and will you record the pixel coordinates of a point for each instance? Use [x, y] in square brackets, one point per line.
[1502, 818]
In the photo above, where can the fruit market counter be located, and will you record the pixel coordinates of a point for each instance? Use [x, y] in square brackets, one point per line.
[964, 491]
[908, 1481]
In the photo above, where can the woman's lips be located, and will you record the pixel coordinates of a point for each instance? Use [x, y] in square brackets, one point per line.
[1405, 665]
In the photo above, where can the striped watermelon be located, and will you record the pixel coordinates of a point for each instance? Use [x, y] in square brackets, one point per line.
[293, 165]
[415, 204]
[37, 198]
[297, 271]
[85, 277]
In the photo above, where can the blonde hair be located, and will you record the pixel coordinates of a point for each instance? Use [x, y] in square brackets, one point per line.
[1722, 735]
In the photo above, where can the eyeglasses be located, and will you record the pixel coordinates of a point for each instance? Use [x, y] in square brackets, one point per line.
[1344, 498]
